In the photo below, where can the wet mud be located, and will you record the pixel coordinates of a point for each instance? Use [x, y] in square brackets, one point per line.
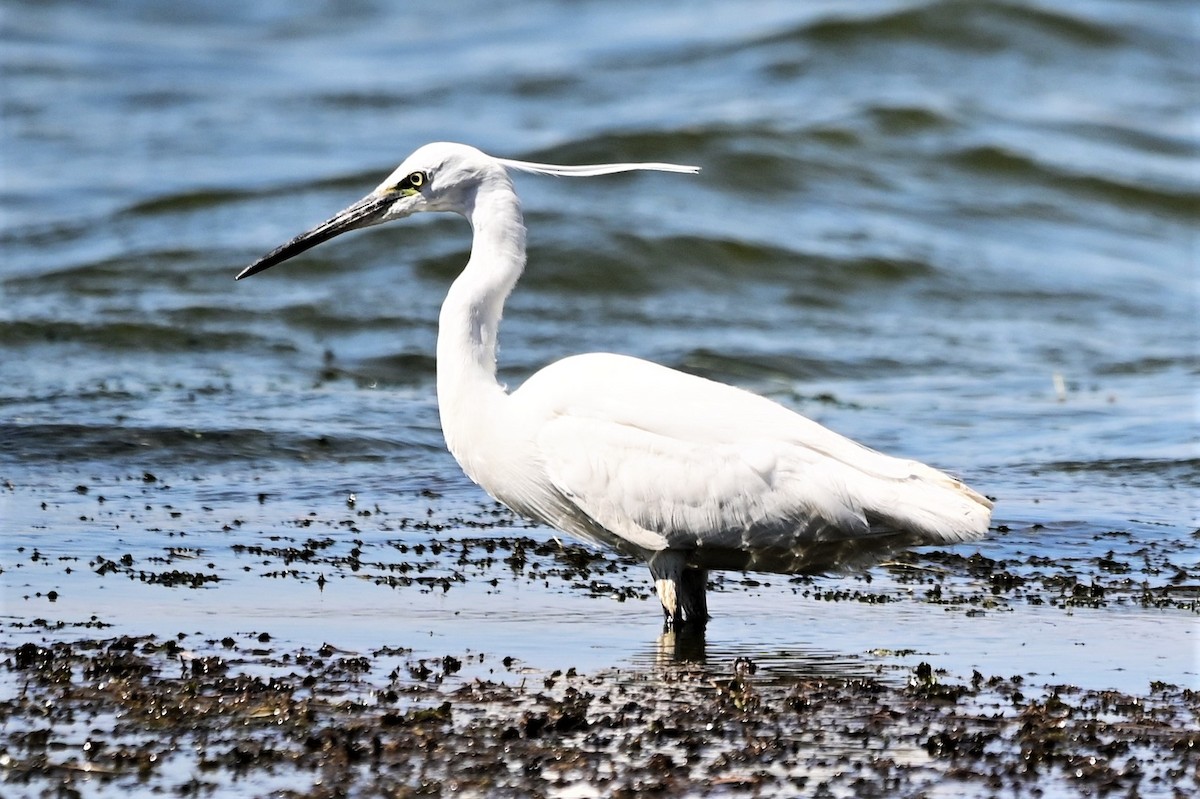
[182, 717]
[90, 709]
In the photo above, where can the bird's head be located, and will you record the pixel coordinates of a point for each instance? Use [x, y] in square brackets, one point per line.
[437, 177]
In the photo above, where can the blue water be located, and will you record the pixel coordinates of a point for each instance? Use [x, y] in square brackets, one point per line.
[963, 232]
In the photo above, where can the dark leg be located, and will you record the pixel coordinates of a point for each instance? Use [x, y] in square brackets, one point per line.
[681, 589]
[693, 598]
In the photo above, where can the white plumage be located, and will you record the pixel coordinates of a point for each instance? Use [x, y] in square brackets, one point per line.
[687, 473]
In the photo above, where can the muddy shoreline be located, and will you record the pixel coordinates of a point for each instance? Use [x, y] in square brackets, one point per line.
[205, 717]
[88, 710]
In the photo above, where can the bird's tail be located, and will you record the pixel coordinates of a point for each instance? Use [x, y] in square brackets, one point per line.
[932, 508]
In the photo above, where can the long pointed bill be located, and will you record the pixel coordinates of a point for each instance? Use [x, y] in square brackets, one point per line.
[364, 213]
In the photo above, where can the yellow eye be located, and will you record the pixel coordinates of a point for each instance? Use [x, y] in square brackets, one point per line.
[411, 184]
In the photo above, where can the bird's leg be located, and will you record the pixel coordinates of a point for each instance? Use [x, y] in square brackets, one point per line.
[692, 594]
[680, 588]
[666, 567]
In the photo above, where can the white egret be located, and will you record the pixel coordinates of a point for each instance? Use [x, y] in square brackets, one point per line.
[684, 472]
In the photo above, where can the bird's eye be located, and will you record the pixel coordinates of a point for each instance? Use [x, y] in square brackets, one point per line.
[411, 183]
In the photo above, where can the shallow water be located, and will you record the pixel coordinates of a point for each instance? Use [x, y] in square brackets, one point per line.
[961, 232]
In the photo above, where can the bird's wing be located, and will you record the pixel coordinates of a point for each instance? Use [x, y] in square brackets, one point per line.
[664, 459]
[658, 490]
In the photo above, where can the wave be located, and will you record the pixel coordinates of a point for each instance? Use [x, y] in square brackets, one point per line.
[761, 369]
[959, 24]
[1151, 364]
[27, 444]
[621, 263]
[996, 160]
[118, 335]
[662, 144]
[1183, 471]
[190, 200]
[397, 369]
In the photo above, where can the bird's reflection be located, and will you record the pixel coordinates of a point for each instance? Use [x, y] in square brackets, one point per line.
[685, 644]
[689, 650]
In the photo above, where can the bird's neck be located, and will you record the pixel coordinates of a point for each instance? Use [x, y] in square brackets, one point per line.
[469, 395]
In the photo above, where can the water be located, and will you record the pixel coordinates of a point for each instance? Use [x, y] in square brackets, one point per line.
[962, 232]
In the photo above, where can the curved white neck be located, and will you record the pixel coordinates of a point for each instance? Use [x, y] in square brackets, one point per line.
[467, 389]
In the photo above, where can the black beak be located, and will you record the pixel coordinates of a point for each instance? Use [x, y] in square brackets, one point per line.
[364, 213]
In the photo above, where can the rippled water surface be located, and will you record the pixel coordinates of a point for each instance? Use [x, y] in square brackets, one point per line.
[960, 231]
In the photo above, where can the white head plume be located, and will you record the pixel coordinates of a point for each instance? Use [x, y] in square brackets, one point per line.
[592, 170]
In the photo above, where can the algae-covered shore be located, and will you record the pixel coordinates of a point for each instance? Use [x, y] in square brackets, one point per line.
[359, 652]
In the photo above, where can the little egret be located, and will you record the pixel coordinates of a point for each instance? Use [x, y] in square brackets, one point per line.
[684, 472]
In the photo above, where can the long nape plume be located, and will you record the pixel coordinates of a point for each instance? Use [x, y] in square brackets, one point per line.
[593, 170]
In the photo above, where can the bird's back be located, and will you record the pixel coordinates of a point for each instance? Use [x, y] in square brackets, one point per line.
[647, 458]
